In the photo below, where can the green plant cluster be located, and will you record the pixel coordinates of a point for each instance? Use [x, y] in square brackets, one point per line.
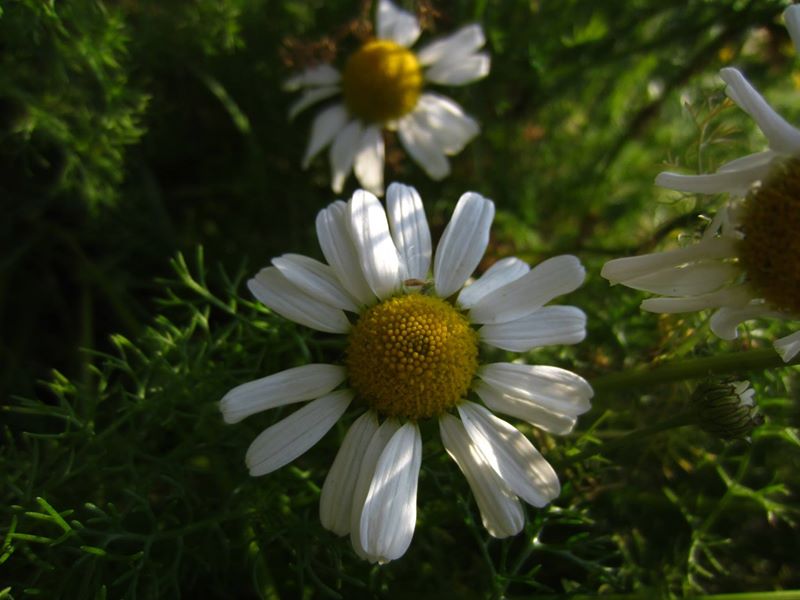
[71, 110]
[136, 134]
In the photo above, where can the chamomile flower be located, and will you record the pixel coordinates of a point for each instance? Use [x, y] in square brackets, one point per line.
[745, 266]
[382, 87]
[412, 353]
[747, 263]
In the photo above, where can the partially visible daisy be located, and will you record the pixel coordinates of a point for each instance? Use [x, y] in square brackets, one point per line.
[745, 266]
[413, 353]
[381, 87]
[747, 263]
[738, 176]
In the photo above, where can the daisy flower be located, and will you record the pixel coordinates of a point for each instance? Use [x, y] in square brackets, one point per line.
[745, 266]
[412, 354]
[381, 87]
[747, 263]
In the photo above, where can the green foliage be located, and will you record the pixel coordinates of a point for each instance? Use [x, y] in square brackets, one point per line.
[72, 112]
[132, 485]
[104, 505]
[134, 131]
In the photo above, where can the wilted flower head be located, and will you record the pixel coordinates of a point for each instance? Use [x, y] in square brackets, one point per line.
[382, 86]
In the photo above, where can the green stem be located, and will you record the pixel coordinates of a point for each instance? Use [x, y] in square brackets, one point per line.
[692, 368]
[776, 595]
[680, 420]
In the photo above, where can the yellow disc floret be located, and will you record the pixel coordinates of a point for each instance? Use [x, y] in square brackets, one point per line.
[412, 356]
[770, 250]
[381, 81]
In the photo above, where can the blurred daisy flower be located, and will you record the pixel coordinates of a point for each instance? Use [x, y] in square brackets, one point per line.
[747, 263]
[381, 87]
[413, 354]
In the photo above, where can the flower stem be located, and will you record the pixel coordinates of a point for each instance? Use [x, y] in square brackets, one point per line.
[681, 419]
[692, 368]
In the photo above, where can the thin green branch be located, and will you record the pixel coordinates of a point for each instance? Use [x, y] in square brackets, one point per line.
[680, 420]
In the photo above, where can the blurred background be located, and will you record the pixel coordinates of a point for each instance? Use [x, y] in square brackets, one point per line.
[148, 167]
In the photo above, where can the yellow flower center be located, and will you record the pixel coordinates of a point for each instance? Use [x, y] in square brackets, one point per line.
[381, 81]
[770, 250]
[412, 356]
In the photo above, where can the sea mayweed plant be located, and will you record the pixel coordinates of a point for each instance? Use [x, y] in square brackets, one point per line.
[121, 479]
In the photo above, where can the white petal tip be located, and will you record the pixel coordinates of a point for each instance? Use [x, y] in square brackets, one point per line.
[227, 415]
[788, 347]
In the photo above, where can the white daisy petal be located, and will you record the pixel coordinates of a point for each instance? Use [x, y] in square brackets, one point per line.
[782, 137]
[522, 408]
[325, 127]
[550, 325]
[365, 475]
[499, 274]
[333, 233]
[526, 473]
[725, 320]
[788, 346]
[369, 160]
[792, 18]
[311, 97]
[553, 388]
[378, 256]
[289, 386]
[745, 395]
[554, 277]
[422, 146]
[284, 441]
[410, 230]
[622, 270]
[390, 509]
[319, 75]
[687, 280]
[501, 512]
[463, 243]
[392, 23]
[722, 182]
[762, 159]
[734, 296]
[316, 279]
[460, 44]
[336, 499]
[451, 127]
[343, 153]
[278, 293]
[460, 71]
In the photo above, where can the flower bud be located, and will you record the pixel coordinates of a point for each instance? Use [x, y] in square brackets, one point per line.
[726, 409]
